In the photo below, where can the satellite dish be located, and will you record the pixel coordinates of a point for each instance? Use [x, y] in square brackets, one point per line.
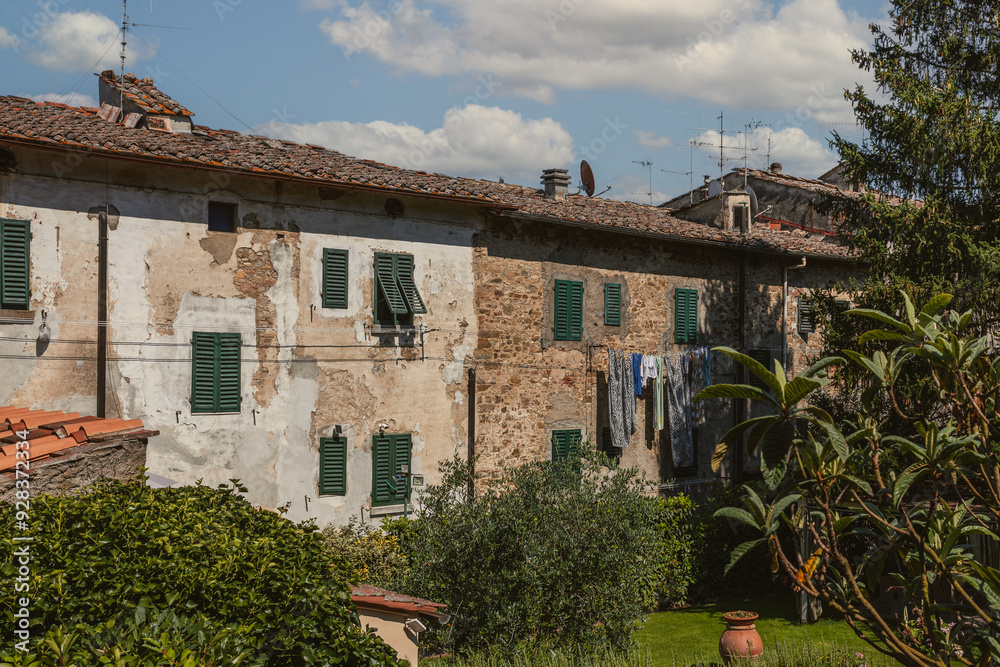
[714, 188]
[754, 207]
[587, 178]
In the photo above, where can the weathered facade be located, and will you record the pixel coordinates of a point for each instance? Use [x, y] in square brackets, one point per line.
[307, 322]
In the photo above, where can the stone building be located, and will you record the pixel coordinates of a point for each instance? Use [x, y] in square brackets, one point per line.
[328, 329]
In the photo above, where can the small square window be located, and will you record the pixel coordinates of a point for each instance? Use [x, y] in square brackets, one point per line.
[221, 216]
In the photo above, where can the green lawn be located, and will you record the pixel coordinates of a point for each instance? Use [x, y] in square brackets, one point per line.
[691, 636]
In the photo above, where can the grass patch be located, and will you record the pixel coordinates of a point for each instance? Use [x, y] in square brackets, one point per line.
[691, 636]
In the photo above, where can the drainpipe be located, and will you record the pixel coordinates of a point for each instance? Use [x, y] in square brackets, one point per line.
[102, 312]
[741, 372]
[784, 313]
[472, 433]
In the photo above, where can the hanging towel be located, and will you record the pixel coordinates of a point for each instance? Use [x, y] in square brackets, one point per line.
[697, 377]
[658, 392]
[616, 400]
[679, 403]
[628, 396]
[637, 373]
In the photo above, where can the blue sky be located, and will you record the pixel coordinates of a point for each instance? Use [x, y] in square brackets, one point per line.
[481, 88]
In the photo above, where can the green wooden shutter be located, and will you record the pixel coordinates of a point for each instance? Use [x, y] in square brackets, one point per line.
[565, 443]
[385, 278]
[335, 273]
[612, 304]
[560, 318]
[576, 311]
[807, 316]
[685, 315]
[401, 456]
[382, 493]
[15, 264]
[764, 358]
[203, 387]
[407, 286]
[230, 396]
[333, 466]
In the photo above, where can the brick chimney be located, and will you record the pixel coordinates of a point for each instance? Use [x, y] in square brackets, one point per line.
[136, 102]
[556, 183]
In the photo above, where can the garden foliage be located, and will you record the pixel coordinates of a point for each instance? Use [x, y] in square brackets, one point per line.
[880, 507]
[374, 554]
[555, 554]
[124, 574]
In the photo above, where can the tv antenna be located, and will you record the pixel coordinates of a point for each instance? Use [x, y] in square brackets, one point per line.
[750, 125]
[722, 142]
[125, 26]
[689, 172]
[649, 166]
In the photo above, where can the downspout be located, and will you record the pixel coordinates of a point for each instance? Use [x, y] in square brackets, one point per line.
[741, 306]
[784, 313]
[102, 312]
[472, 433]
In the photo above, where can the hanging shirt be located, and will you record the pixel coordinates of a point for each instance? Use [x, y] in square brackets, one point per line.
[658, 392]
[648, 368]
[637, 373]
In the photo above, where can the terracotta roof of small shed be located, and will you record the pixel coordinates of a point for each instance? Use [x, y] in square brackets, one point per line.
[24, 121]
[143, 93]
[52, 432]
[373, 596]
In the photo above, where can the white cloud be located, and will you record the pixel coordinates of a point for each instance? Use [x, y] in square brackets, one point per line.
[68, 41]
[652, 140]
[475, 141]
[72, 99]
[739, 53]
[7, 40]
[798, 153]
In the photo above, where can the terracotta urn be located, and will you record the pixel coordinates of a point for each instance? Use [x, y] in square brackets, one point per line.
[740, 638]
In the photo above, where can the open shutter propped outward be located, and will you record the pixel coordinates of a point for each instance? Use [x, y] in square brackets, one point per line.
[385, 276]
[382, 482]
[807, 316]
[407, 286]
[15, 264]
[230, 396]
[335, 265]
[576, 311]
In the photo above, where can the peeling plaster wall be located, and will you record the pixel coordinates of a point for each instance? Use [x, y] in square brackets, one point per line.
[305, 370]
[529, 384]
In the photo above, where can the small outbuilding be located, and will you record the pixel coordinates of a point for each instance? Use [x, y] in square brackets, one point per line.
[398, 619]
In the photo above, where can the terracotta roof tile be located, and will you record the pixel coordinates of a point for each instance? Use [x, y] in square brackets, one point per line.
[24, 121]
[55, 431]
[143, 93]
[373, 596]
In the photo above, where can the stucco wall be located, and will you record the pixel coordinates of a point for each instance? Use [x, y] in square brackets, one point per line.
[305, 370]
[392, 629]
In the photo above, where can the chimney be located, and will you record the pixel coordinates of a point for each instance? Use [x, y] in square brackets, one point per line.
[556, 183]
[135, 102]
[703, 190]
[776, 167]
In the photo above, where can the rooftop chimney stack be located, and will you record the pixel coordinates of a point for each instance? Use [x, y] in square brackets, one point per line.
[556, 183]
[776, 167]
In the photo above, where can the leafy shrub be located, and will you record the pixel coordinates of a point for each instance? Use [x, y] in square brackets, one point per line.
[677, 541]
[124, 560]
[554, 555]
[374, 554]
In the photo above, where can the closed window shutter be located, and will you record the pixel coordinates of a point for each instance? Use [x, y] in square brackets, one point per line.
[400, 457]
[203, 355]
[565, 443]
[807, 316]
[335, 265]
[612, 304]
[763, 357]
[576, 311]
[692, 316]
[560, 318]
[407, 286]
[385, 277]
[382, 471]
[15, 264]
[333, 466]
[680, 315]
[229, 392]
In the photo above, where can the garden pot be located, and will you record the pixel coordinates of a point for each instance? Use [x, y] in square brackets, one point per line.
[740, 638]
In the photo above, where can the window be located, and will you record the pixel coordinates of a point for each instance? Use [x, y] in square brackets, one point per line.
[221, 216]
[685, 315]
[613, 304]
[565, 443]
[215, 372]
[396, 297]
[763, 357]
[334, 278]
[807, 316]
[389, 452]
[567, 321]
[333, 466]
[15, 264]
